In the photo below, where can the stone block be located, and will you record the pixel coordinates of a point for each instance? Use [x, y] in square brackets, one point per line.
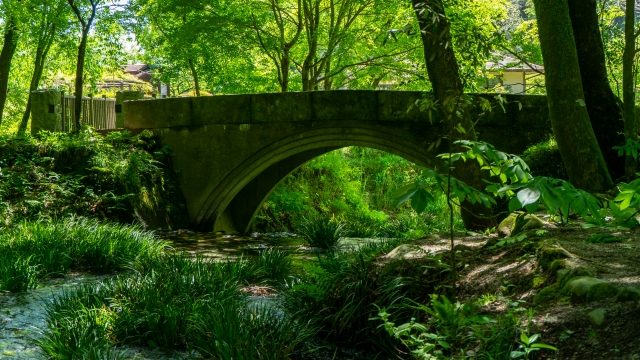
[403, 106]
[226, 109]
[46, 111]
[157, 113]
[279, 107]
[347, 105]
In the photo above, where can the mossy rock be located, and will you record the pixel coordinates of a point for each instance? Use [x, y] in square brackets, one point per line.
[518, 222]
[586, 288]
[549, 258]
[405, 252]
[548, 294]
[544, 160]
[598, 316]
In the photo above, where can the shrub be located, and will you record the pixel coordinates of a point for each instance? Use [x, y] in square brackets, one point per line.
[544, 160]
[339, 295]
[119, 177]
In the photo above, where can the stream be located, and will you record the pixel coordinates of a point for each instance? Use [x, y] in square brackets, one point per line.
[23, 316]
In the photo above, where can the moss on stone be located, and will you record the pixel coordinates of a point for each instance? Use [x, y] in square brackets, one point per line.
[587, 288]
[548, 257]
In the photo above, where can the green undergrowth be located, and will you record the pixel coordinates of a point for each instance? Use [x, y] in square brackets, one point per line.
[355, 187]
[342, 291]
[118, 177]
[41, 250]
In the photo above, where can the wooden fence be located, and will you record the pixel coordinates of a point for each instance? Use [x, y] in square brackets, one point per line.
[99, 113]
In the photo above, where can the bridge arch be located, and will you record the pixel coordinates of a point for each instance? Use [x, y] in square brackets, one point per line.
[233, 205]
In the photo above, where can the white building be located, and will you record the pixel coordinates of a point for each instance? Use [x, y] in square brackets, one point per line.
[511, 75]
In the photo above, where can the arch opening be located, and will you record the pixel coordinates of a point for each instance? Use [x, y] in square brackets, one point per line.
[233, 207]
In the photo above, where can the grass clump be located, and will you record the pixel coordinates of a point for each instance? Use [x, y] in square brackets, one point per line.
[322, 232]
[40, 250]
[445, 329]
[175, 303]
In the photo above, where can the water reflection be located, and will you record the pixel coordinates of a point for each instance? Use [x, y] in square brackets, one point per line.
[215, 246]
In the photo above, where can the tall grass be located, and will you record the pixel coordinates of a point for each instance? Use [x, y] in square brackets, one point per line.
[34, 251]
[174, 303]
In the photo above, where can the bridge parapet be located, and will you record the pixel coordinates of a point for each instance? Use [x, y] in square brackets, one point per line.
[354, 105]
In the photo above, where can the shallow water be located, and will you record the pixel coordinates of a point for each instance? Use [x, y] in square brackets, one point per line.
[215, 246]
[23, 317]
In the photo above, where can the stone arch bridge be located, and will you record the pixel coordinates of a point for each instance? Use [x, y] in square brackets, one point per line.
[229, 152]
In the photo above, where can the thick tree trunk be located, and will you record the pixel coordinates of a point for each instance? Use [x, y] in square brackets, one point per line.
[628, 83]
[604, 108]
[284, 70]
[6, 56]
[567, 108]
[443, 71]
[439, 57]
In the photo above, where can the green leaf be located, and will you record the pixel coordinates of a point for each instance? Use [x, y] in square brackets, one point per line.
[514, 204]
[405, 193]
[420, 200]
[528, 196]
[544, 346]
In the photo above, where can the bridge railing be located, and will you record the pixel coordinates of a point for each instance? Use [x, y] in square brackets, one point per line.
[99, 113]
[52, 110]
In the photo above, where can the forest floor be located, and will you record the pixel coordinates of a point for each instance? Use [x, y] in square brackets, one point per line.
[594, 325]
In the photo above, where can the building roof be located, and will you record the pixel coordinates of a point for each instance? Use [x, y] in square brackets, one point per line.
[511, 64]
[140, 71]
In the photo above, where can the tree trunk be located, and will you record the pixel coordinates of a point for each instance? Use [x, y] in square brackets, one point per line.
[444, 75]
[194, 74]
[6, 56]
[85, 26]
[44, 44]
[79, 81]
[312, 21]
[567, 108]
[628, 83]
[604, 108]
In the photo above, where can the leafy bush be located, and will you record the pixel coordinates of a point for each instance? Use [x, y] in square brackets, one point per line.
[118, 177]
[339, 295]
[450, 328]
